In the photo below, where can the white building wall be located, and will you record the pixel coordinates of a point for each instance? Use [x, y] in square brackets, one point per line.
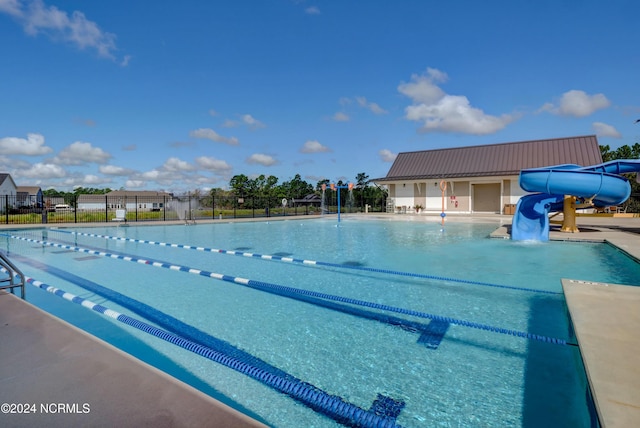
[434, 196]
[462, 188]
[404, 195]
[7, 188]
[516, 192]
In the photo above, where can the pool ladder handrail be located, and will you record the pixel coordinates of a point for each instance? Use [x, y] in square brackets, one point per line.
[189, 217]
[13, 273]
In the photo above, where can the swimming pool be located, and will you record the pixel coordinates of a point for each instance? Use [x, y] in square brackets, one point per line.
[412, 341]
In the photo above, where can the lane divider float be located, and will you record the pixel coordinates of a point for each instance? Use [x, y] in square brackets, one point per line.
[309, 262]
[329, 405]
[261, 285]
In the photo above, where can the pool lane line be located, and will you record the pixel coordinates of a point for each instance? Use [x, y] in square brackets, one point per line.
[261, 285]
[318, 400]
[152, 314]
[310, 262]
[430, 335]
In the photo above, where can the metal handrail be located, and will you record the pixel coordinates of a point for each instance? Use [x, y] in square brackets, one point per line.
[13, 274]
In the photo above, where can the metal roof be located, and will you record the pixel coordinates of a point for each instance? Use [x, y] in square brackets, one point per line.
[494, 159]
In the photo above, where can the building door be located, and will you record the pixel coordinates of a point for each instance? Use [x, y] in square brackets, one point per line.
[486, 197]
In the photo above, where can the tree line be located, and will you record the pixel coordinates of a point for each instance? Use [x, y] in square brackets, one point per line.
[262, 187]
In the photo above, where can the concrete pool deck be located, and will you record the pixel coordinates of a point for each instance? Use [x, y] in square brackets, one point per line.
[60, 376]
[47, 361]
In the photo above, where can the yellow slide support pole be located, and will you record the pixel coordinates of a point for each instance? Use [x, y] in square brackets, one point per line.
[569, 213]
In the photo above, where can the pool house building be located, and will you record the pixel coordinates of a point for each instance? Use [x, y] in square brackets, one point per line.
[477, 179]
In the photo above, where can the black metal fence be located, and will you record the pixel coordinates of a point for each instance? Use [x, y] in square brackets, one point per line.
[188, 208]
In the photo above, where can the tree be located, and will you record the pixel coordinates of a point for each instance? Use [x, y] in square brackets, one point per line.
[239, 184]
[320, 183]
[296, 188]
[362, 180]
[626, 152]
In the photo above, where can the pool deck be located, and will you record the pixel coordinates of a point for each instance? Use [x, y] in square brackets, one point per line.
[52, 366]
[47, 361]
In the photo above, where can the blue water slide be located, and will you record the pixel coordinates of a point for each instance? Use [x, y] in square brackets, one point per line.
[531, 219]
[600, 183]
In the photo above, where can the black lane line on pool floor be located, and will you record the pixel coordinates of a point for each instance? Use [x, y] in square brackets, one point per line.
[385, 408]
[431, 334]
[277, 257]
[261, 285]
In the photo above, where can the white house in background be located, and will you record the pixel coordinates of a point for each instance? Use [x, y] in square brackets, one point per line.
[142, 200]
[477, 178]
[8, 192]
[29, 196]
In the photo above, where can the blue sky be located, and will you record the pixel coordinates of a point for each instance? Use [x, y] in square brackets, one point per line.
[179, 96]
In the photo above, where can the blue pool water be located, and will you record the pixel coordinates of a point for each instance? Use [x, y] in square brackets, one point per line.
[419, 374]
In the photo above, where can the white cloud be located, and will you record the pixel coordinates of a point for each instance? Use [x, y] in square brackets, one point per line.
[33, 145]
[373, 107]
[546, 107]
[80, 153]
[604, 130]
[387, 156]
[576, 103]
[312, 10]
[228, 123]
[134, 184]
[213, 113]
[91, 179]
[261, 159]
[314, 146]
[210, 134]
[341, 117]
[125, 61]
[8, 163]
[114, 170]
[11, 7]
[44, 171]
[38, 18]
[174, 164]
[163, 177]
[251, 122]
[212, 164]
[440, 112]
[423, 88]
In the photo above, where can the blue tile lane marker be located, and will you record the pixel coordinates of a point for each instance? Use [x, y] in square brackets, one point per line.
[260, 285]
[279, 258]
[387, 406]
[433, 335]
[330, 405]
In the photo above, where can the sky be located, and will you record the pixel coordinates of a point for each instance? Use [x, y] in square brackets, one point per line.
[178, 96]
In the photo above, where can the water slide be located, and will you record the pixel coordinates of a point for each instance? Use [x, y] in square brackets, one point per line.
[601, 184]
